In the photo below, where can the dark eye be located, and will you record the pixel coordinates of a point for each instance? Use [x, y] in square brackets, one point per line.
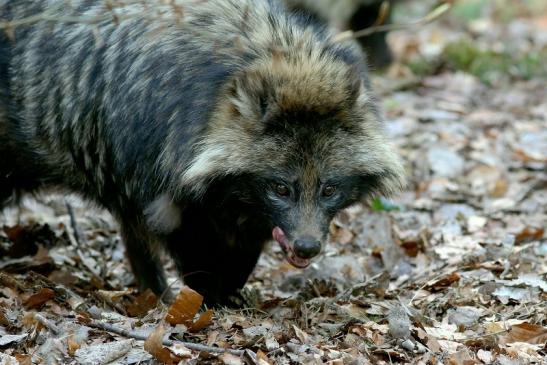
[282, 190]
[329, 190]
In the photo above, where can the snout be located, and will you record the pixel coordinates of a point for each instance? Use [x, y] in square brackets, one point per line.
[307, 247]
[298, 252]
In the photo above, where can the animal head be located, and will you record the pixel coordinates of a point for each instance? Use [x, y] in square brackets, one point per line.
[305, 131]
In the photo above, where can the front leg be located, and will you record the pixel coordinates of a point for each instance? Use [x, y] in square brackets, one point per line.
[144, 260]
[213, 261]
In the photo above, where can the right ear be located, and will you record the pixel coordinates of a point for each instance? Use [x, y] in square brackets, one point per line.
[356, 85]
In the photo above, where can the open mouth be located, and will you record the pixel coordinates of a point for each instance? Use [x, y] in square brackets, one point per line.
[288, 249]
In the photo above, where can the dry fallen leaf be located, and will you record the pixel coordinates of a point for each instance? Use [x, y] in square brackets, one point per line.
[154, 346]
[302, 336]
[180, 350]
[460, 358]
[185, 308]
[38, 299]
[263, 358]
[24, 239]
[444, 282]
[103, 353]
[72, 345]
[529, 234]
[229, 359]
[340, 233]
[204, 320]
[526, 332]
[142, 304]
[9, 339]
[24, 359]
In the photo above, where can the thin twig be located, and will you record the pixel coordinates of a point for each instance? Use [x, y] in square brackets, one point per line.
[383, 13]
[430, 17]
[78, 235]
[166, 342]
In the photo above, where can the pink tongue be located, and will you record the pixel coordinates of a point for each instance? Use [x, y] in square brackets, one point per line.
[279, 236]
[288, 250]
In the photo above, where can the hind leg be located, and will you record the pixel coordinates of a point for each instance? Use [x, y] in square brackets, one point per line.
[17, 174]
[19, 171]
[8, 176]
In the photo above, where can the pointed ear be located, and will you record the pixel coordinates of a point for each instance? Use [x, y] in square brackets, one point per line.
[251, 96]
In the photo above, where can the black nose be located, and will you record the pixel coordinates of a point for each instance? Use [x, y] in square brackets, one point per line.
[307, 247]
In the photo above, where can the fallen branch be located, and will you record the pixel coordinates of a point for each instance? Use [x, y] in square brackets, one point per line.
[166, 342]
[47, 323]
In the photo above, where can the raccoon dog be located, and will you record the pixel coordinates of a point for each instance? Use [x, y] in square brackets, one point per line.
[350, 15]
[205, 127]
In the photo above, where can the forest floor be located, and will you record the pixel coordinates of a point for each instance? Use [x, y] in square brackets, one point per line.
[451, 271]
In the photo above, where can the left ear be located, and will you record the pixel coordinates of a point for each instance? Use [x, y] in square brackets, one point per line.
[251, 97]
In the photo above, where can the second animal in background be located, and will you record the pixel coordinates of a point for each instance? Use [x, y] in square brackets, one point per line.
[351, 15]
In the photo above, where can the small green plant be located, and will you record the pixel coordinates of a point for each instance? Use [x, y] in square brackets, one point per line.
[422, 67]
[490, 66]
[381, 204]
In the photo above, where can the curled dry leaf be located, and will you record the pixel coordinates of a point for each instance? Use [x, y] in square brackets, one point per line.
[185, 308]
[154, 346]
[526, 332]
[204, 320]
